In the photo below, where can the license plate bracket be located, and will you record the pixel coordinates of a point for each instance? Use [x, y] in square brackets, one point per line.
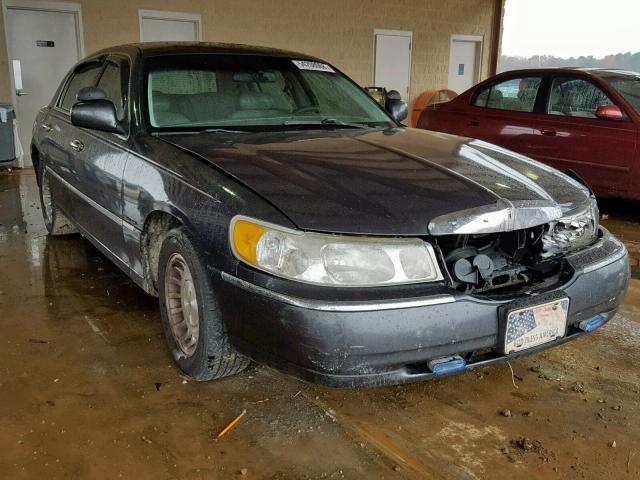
[533, 322]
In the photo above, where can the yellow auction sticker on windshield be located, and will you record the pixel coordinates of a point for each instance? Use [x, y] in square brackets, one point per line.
[309, 65]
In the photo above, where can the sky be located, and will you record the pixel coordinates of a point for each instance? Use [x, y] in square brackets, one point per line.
[570, 28]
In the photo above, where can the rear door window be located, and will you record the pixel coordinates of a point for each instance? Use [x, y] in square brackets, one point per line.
[85, 75]
[516, 94]
[575, 97]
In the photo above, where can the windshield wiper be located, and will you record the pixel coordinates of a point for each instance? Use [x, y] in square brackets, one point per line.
[196, 132]
[332, 122]
[221, 130]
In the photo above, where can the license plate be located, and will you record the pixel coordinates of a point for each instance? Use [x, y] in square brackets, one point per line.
[533, 326]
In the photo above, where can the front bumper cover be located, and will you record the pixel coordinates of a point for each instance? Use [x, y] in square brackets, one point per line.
[349, 343]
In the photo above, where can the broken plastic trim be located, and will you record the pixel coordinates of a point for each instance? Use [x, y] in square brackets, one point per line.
[503, 216]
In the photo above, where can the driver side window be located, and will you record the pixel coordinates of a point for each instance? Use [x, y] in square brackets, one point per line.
[575, 97]
[111, 83]
[84, 75]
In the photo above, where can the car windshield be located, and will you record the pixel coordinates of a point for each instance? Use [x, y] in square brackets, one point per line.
[210, 92]
[629, 88]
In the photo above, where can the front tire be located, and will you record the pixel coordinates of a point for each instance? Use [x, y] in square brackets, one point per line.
[191, 318]
[56, 222]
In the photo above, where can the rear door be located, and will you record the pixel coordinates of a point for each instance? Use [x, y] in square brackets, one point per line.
[571, 136]
[504, 113]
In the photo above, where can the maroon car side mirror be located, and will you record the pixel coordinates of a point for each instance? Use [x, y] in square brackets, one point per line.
[609, 112]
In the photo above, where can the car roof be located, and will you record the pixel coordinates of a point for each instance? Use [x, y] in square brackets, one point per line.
[149, 49]
[595, 72]
[610, 72]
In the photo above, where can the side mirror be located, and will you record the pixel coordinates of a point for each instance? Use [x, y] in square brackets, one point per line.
[87, 94]
[96, 115]
[397, 109]
[609, 112]
[393, 95]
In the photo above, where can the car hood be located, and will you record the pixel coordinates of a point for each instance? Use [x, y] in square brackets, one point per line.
[390, 182]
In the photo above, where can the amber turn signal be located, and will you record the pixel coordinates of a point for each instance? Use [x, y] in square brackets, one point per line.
[246, 236]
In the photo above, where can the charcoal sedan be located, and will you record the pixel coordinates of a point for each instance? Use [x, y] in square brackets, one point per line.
[282, 215]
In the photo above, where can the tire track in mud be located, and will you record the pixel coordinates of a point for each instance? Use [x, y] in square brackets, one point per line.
[428, 438]
[361, 430]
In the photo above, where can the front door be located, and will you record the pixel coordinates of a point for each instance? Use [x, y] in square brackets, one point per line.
[43, 45]
[571, 136]
[393, 61]
[99, 159]
[89, 164]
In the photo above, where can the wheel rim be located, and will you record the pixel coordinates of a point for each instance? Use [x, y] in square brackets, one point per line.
[182, 304]
[46, 198]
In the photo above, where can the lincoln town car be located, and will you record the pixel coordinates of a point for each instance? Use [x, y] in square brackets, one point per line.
[283, 216]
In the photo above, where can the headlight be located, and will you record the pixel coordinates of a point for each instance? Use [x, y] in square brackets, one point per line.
[338, 260]
[573, 231]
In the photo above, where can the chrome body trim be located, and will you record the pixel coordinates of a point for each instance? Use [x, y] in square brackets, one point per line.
[110, 215]
[338, 306]
[502, 216]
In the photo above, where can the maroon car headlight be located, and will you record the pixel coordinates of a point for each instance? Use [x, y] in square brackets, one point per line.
[573, 231]
[333, 260]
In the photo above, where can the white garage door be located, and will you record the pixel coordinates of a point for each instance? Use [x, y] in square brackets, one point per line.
[159, 26]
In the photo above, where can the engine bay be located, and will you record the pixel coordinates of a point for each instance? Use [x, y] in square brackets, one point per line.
[499, 261]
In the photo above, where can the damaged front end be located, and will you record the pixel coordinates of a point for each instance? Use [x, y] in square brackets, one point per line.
[572, 232]
[509, 249]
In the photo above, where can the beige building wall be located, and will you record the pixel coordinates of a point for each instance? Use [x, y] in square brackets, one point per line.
[339, 31]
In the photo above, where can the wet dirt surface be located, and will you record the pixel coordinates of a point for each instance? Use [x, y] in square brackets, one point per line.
[87, 390]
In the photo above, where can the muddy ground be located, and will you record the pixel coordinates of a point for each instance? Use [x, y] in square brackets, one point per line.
[87, 390]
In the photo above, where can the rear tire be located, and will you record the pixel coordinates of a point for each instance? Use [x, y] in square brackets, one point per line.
[56, 222]
[191, 318]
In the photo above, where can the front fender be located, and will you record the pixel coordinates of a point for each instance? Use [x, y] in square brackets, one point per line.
[200, 197]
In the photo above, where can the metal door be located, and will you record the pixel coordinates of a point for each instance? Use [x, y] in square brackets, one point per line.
[463, 65]
[393, 61]
[159, 26]
[43, 46]
[98, 160]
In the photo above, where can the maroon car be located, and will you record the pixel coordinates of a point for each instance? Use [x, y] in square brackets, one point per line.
[584, 120]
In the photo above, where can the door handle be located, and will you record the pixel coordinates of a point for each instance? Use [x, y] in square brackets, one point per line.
[474, 123]
[21, 93]
[548, 132]
[46, 127]
[77, 145]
